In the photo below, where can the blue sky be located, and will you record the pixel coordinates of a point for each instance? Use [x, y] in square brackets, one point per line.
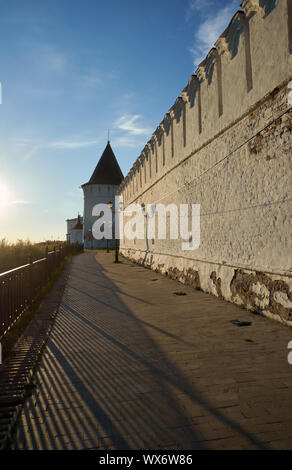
[71, 69]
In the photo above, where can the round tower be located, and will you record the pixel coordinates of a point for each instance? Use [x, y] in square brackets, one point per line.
[100, 189]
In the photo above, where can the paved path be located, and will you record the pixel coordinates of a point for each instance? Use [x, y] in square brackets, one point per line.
[131, 365]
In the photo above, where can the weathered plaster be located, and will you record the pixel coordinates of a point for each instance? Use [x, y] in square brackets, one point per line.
[236, 165]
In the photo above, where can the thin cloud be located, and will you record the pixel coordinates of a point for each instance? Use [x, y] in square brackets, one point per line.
[63, 144]
[210, 29]
[31, 147]
[91, 79]
[130, 131]
[195, 6]
[20, 202]
[21, 140]
[129, 124]
[126, 141]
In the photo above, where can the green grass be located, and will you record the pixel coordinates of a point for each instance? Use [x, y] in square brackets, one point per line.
[13, 255]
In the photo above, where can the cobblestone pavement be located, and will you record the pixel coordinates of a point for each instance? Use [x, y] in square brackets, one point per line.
[131, 365]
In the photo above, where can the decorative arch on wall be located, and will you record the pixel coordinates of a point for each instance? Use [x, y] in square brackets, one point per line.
[210, 65]
[184, 123]
[201, 76]
[140, 166]
[167, 123]
[149, 158]
[235, 30]
[159, 139]
[177, 109]
[214, 60]
[144, 161]
[131, 182]
[168, 127]
[163, 149]
[268, 5]
[162, 128]
[192, 90]
[135, 185]
[155, 151]
[136, 169]
[159, 134]
[238, 26]
[127, 187]
[151, 152]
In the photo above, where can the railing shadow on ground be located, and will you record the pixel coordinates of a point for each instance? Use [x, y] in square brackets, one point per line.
[105, 382]
[20, 287]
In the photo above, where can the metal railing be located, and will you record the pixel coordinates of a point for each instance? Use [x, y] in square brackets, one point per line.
[20, 287]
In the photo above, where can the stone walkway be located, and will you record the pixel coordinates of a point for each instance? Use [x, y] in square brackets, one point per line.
[131, 365]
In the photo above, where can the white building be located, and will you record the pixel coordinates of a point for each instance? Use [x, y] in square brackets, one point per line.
[75, 230]
[100, 189]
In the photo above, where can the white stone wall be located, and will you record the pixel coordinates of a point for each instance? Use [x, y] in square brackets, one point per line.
[77, 236]
[226, 145]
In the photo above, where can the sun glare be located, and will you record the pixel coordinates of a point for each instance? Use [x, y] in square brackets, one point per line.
[4, 195]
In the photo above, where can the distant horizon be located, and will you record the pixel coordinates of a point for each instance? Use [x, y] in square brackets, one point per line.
[32, 242]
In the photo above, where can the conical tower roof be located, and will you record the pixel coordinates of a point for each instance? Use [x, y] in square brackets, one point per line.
[79, 224]
[107, 170]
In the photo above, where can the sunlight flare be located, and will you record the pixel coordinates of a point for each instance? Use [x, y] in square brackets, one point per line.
[5, 195]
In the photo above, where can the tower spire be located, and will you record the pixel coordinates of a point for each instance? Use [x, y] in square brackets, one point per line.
[107, 170]
[108, 136]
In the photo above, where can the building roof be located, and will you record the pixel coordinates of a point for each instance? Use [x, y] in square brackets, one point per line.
[107, 170]
[72, 220]
[78, 225]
